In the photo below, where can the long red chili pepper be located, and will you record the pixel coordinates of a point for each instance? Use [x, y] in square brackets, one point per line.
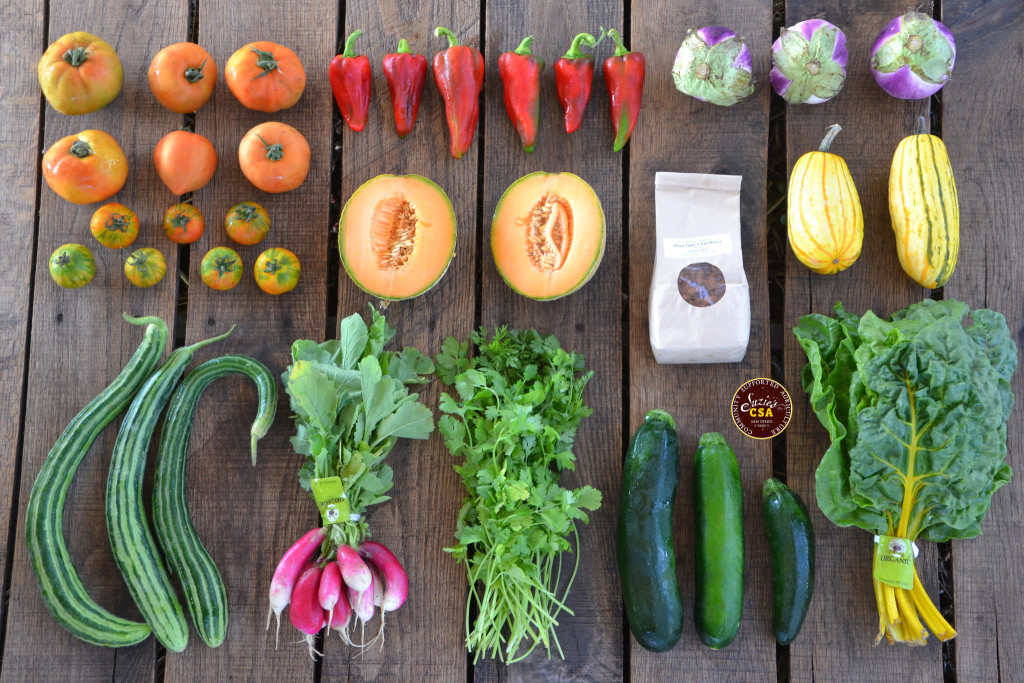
[459, 73]
[350, 77]
[624, 78]
[520, 72]
[406, 73]
[574, 74]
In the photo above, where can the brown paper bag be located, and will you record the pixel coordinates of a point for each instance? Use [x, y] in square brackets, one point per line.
[700, 303]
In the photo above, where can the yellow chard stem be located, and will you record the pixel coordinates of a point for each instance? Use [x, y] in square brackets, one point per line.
[891, 609]
[932, 617]
[916, 635]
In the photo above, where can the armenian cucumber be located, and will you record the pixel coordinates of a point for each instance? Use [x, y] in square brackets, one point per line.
[791, 542]
[718, 518]
[646, 554]
[131, 541]
[59, 583]
[198, 574]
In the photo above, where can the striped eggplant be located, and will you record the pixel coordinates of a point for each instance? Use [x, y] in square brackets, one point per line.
[824, 218]
[924, 209]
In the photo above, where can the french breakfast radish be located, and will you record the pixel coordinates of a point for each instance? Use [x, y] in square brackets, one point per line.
[395, 578]
[362, 607]
[329, 590]
[305, 612]
[378, 585]
[288, 570]
[353, 570]
[342, 615]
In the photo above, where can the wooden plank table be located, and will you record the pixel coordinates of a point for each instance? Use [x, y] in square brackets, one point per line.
[58, 348]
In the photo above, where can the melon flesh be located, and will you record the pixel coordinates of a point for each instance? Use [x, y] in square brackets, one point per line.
[548, 235]
[397, 236]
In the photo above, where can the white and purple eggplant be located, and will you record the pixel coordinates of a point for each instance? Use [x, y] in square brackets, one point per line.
[913, 56]
[809, 62]
[713, 64]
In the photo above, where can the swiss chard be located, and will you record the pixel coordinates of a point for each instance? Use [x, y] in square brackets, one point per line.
[916, 408]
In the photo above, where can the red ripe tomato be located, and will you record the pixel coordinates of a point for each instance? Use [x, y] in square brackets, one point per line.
[185, 161]
[184, 223]
[182, 77]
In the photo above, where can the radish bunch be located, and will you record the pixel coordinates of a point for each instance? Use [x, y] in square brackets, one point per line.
[327, 587]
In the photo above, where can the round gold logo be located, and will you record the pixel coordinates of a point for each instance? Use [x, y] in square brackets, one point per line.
[761, 408]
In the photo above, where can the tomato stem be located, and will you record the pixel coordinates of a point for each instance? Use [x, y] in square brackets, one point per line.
[117, 223]
[264, 60]
[76, 56]
[193, 74]
[224, 265]
[272, 266]
[275, 151]
[245, 212]
[80, 149]
[63, 259]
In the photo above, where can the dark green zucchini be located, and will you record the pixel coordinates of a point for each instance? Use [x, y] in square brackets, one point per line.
[646, 554]
[718, 546]
[791, 542]
[200, 579]
[131, 541]
[59, 583]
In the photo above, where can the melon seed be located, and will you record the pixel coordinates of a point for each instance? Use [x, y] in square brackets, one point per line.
[549, 235]
[393, 232]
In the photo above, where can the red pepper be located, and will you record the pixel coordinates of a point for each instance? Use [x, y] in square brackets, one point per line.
[459, 72]
[520, 72]
[406, 73]
[350, 77]
[574, 74]
[624, 78]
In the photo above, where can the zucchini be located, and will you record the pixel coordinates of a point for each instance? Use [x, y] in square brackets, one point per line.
[198, 574]
[646, 554]
[59, 583]
[718, 518]
[791, 542]
[131, 541]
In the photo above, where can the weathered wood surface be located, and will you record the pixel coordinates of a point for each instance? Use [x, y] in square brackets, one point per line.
[679, 133]
[838, 636]
[248, 516]
[80, 343]
[982, 127]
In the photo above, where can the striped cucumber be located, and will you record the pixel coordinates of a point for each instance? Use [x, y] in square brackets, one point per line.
[132, 543]
[200, 579]
[59, 583]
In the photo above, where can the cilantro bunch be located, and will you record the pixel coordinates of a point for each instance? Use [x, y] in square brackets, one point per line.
[512, 421]
[351, 406]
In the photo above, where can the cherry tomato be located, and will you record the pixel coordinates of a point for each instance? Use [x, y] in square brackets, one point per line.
[184, 223]
[277, 271]
[265, 76]
[274, 157]
[247, 223]
[221, 268]
[145, 267]
[182, 77]
[185, 161]
[80, 73]
[114, 225]
[86, 167]
[72, 266]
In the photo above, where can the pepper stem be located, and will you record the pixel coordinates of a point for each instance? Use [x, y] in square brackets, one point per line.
[194, 74]
[274, 151]
[403, 47]
[580, 40]
[922, 125]
[80, 149]
[620, 49]
[830, 135]
[524, 47]
[76, 56]
[350, 49]
[442, 31]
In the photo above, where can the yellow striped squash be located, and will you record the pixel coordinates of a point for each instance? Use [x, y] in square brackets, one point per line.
[824, 218]
[924, 209]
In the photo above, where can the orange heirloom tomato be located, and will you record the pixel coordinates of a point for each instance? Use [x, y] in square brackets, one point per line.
[221, 268]
[274, 157]
[80, 73]
[145, 267]
[184, 223]
[85, 168]
[72, 266]
[265, 76]
[114, 225]
[185, 161]
[277, 271]
[182, 77]
[247, 223]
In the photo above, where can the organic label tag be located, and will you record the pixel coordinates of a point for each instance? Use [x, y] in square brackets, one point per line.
[894, 561]
[330, 497]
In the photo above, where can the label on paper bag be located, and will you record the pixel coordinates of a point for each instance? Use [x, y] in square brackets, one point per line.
[330, 497]
[894, 561]
[691, 248]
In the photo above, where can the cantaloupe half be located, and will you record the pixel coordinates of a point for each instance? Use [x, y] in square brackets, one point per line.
[548, 234]
[397, 236]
